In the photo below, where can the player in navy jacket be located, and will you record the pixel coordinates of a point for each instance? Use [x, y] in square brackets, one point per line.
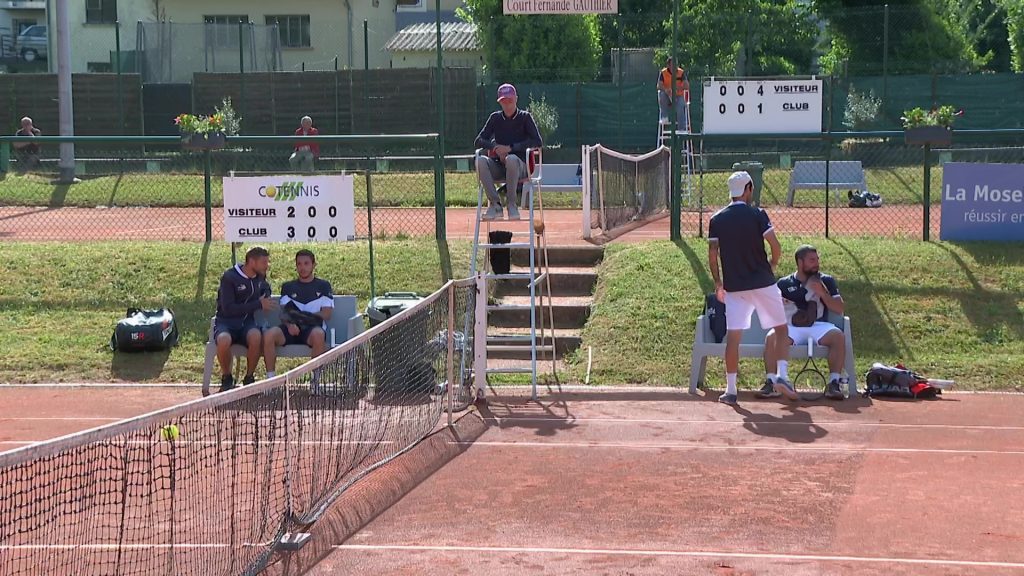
[243, 290]
[306, 304]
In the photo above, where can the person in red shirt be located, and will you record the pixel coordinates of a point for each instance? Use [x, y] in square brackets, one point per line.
[305, 152]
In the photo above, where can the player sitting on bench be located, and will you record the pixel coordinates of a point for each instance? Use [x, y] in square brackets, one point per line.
[306, 304]
[813, 295]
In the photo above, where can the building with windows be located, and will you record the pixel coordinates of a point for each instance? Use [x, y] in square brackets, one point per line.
[204, 36]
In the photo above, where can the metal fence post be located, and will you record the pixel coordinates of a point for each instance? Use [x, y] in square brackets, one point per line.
[828, 177]
[241, 68]
[927, 191]
[439, 200]
[369, 227]
[117, 64]
[207, 169]
[675, 218]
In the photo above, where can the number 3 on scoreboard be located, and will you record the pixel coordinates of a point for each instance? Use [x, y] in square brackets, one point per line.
[291, 231]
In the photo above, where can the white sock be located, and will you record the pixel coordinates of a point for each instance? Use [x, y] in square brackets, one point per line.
[784, 369]
[833, 376]
[770, 376]
[271, 374]
[730, 383]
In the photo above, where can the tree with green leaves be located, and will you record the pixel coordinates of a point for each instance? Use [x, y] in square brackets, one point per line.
[919, 39]
[744, 37]
[535, 48]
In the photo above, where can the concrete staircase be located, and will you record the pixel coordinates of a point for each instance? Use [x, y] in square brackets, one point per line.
[573, 278]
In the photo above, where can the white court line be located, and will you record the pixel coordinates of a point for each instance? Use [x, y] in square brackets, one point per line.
[62, 418]
[684, 554]
[720, 447]
[500, 420]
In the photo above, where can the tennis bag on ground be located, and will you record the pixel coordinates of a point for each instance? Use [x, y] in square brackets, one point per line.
[897, 381]
[145, 330]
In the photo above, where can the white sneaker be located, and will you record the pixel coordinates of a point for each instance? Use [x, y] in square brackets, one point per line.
[513, 213]
[493, 213]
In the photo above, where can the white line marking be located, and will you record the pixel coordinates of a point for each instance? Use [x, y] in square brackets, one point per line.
[61, 418]
[640, 446]
[500, 420]
[685, 554]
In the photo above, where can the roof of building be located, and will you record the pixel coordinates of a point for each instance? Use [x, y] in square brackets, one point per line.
[455, 37]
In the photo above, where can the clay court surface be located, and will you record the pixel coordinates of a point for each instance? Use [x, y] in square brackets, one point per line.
[654, 481]
[563, 226]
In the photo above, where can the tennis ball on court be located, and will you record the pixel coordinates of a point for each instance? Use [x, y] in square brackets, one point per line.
[169, 432]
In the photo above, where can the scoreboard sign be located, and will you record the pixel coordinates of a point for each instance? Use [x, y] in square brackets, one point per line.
[289, 208]
[762, 106]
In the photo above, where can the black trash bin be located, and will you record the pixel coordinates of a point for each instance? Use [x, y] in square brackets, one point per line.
[402, 356]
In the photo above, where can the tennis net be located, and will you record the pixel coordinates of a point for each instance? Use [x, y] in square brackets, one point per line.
[623, 188]
[212, 486]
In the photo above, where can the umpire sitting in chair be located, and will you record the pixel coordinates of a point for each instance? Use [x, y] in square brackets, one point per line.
[505, 137]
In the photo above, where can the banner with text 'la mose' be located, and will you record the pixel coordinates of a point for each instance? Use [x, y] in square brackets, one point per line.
[982, 202]
[288, 208]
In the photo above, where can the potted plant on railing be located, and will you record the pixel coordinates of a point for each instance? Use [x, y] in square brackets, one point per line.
[201, 132]
[929, 128]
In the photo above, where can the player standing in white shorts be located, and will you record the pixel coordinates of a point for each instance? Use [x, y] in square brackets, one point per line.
[737, 234]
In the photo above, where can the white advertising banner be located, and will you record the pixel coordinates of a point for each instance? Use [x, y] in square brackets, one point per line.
[288, 208]
[560, 6]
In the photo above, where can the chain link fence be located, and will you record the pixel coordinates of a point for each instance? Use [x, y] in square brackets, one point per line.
[903, 184]
[151, 189]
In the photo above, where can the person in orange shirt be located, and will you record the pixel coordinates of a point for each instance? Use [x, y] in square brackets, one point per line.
[667, 100]
[305, 152]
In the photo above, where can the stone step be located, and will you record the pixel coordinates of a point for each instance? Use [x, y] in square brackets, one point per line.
[518, 315]
[508, 347]
[578, 256]
[576, 283]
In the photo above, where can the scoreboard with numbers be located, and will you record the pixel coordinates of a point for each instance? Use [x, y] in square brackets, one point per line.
[754, 106]
[289, 208]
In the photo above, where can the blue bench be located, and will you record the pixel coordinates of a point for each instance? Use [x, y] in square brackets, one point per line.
[752, 346]
[810, 175]
[344, 324]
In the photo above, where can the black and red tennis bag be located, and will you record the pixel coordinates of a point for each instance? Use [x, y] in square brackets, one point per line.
[897, 381]
[145, 330]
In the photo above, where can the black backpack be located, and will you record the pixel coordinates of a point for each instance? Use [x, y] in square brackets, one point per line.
[715, 311]
[145, 330]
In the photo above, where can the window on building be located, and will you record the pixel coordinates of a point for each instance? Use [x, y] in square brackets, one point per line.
[293, 30]
[411, 5]
[224, 33]
[100, 11]
[98, 67]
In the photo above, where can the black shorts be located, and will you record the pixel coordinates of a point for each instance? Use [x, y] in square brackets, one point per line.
[237, 334]
[301, 338]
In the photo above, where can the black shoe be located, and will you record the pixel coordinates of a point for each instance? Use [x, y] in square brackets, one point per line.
[227, 382]
[834, 391]
[768, 390]
[249, 379]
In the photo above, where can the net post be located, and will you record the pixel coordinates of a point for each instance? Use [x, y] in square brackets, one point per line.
[585, 169]
[480, 334]
[451, 348]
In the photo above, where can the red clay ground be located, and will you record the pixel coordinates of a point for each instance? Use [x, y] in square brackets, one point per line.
[563, 226]
[654, 481]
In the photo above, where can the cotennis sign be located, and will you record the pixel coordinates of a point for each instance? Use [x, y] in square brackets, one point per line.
[982, 202]
[560, 6]
[289, 208]
[754, 106]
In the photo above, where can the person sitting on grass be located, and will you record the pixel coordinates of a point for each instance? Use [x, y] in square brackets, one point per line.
[808, 292]
[243, 290]
[306, 305]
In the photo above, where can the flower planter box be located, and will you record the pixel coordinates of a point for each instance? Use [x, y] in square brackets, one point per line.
[928, 135]
[211, 141]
